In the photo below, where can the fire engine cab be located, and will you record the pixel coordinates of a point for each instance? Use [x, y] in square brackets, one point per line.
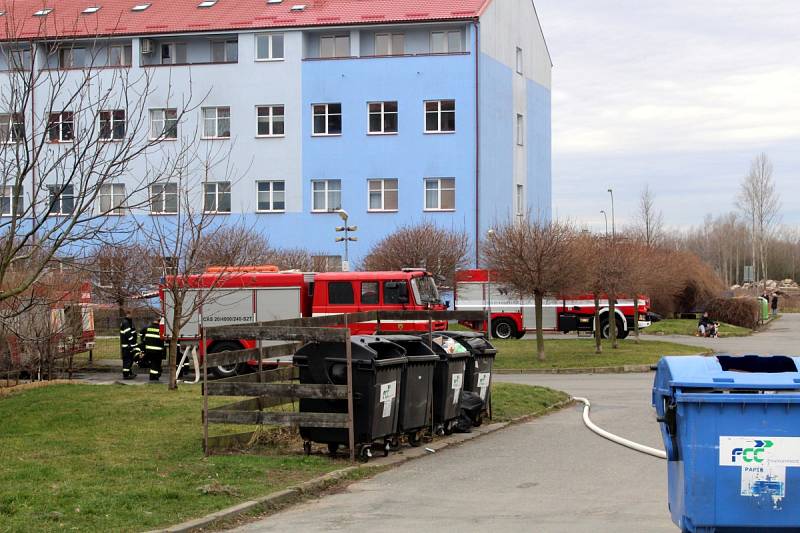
[512, 316]
[231, 295]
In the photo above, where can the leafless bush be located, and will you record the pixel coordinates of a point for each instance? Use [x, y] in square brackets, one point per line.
[744, 312]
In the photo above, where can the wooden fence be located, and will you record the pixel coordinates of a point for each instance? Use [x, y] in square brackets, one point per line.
[271, 388]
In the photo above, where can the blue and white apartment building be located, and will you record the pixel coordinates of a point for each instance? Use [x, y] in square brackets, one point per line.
[396, 111]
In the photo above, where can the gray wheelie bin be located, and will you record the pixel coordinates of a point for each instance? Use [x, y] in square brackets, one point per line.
[448, 381]
[377, 378]
[478, 376]
[416, 392]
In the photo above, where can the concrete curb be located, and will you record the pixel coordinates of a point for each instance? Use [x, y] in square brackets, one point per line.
[277, 500]
[621, 369]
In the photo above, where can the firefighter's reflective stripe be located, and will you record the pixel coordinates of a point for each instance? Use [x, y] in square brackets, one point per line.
[155, 372]
[125, 345]
[126, 369]
[124, 331]
[156, 348]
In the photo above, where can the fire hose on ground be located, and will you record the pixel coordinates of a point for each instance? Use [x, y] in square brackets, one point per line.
[661, 454]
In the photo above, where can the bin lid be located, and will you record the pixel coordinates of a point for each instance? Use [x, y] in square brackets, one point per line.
[724, 372]
[446, 345]
[417, 349]
[363, 348]
[474, 341]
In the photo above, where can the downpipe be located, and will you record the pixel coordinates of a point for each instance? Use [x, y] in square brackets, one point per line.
[641, 448]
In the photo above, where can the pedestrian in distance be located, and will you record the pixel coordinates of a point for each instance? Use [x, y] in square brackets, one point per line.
[154, 349]
[127, 345]
[774, 305]
[707, 327]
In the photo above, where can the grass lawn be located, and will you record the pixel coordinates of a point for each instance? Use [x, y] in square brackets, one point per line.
[674, 326]
[128, 458]
[579, 353]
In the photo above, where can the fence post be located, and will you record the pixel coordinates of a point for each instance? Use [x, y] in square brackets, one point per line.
[205, 383]
[348, 350]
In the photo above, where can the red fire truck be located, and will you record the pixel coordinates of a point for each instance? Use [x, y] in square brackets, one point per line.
[257, 294]
[513, 316]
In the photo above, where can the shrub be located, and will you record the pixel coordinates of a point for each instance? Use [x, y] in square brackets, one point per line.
[744, 312]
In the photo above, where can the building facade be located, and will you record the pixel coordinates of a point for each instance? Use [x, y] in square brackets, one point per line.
[394, 113]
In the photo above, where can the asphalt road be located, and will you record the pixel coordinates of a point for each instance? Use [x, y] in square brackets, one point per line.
[551, 474]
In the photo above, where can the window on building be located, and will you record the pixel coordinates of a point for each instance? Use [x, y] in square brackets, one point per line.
[269, 47]
[217, 197]
[164, 198]
[382, 194]
[325, 263]
[520, 130]
[216, 122]
[72, 57]
[440, 116]
[120, 55]
[10, 204]
[61, 127]
[18, 58]
[111, 198]
[173, 54]
[519, 60]
[440, 194]
[334, 46]
[395, 292]
[382, 117]
[270, 120]
[327, 119]
[225, 51]
[271, 196]
[62, 199]
[340, 293]
[520, 200]
[446, 42]
[112, 125]
[12, 128]
[369, 292]
[164, 124]
[390, 44]
[326, 195]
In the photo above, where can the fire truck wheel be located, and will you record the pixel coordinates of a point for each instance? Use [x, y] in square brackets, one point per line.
[224, 371]
[606, 329]
[503, 328]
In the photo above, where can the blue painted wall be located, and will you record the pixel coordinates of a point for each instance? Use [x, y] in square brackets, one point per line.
[540, 182]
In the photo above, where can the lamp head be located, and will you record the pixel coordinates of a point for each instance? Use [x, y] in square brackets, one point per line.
[343, 215]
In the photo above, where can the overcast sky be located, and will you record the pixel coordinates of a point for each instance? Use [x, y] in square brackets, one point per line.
[677, 95]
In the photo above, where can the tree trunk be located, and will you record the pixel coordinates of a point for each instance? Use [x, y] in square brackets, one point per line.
[612, 321]
[598, 328]
[177, 312]
[539, 335]
[636, 318]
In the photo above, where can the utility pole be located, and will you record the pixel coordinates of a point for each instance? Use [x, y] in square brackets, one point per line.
[347, 239]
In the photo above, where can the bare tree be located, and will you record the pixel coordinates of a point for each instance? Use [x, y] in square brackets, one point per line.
[535, 258]
[649, 225]
[759, 202]
[425, 245]
[114, 278]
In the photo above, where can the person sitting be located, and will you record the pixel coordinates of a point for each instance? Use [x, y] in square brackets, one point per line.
[706, 326]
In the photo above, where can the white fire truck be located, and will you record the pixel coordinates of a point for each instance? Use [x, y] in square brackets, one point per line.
[512, 316]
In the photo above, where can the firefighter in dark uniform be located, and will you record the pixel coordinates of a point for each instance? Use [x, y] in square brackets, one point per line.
[154, 349]
[127, 343]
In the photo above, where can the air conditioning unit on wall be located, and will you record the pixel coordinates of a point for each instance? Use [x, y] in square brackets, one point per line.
[147, 46]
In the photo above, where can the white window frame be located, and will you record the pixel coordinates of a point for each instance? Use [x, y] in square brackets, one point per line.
[272, 194]
[386, 186]
[19, 59]
[15, 203]
[217, 195]
[520, 200]
[60, 125]
[520, 61]
[392, 51]
[125, 55]
[113, 122]
[270, 120]
[439, 189]
[225, 50]
[68, 52]
[327, 116]
[446, 34]
[173, 47]
[335, 41]
[328, 190]
[56, 193]
[439, 112]
[270, 46]
[117, 209]
[14, 123]
[159, 115]
[520, 129]
[383, 114]
[216, 118]
[162, 200]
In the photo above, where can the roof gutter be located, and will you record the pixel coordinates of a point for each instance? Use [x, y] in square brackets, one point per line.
[477, 51]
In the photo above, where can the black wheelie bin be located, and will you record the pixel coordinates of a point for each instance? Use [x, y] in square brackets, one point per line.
[448, 381]
[478, 377]
[416, 392]
[377, 377]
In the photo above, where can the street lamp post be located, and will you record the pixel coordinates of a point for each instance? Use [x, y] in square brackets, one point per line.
[489, 234]
[605, 216]
[613, 222]
[347, 239]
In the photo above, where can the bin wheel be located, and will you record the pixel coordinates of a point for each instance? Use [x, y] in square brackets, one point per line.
[333, 447]
[440, 430]
[414, 439]
[387, 447]
[364, 453]
[448, 428]
[478, 421]
[307, 448]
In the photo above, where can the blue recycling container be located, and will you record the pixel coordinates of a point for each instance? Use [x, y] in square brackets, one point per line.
[731, 430]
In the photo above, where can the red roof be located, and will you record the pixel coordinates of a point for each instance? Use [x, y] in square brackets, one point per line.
[181, 16]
